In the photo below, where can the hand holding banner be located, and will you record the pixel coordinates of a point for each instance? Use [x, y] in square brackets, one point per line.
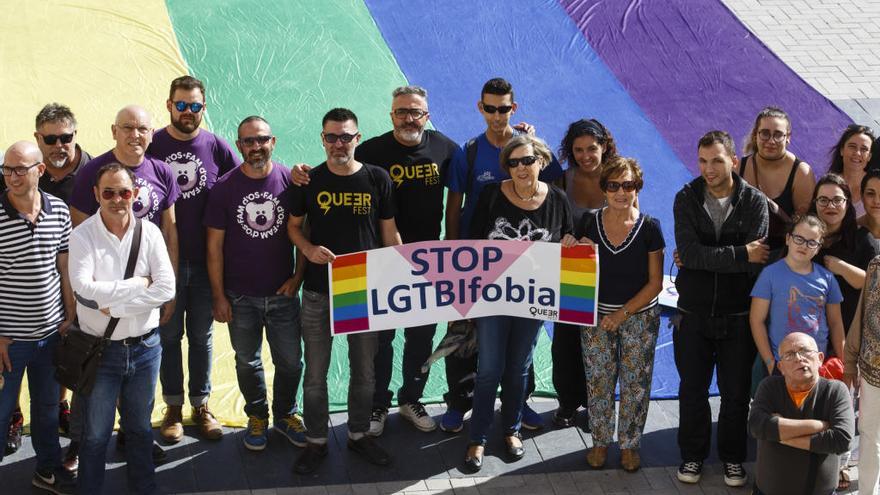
[427, 282]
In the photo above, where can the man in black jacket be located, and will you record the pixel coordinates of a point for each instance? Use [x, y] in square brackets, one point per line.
[720, 226]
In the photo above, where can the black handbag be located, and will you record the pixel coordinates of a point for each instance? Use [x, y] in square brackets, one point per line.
[78, 355]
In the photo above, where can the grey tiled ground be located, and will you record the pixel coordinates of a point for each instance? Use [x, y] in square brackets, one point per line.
[833, 44]
[424, 464]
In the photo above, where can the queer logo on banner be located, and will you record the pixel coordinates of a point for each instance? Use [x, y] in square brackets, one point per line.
[429, 282]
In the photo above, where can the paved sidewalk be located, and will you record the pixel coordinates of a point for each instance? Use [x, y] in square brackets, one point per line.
[833, 44]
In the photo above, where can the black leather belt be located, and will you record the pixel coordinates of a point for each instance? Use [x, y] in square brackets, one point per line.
[136, 340]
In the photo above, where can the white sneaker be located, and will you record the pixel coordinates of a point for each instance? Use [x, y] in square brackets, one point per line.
[377, 421]
[415, 413]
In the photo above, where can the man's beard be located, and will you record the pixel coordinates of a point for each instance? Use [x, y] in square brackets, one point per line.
[185, 127]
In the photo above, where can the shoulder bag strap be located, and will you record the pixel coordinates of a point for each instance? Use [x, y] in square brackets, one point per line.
[129, 269]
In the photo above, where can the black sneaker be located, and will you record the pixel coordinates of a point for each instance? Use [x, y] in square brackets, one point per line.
[13, 436]
[734, 474]
[564, 417]
[46, 480]
[690, 471]
[310, 459]
[370, 450]
[159, 454]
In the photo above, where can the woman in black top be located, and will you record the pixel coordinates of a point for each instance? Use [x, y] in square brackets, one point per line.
[778, 173]
[630, 246]
[847, 248]
[518, 209]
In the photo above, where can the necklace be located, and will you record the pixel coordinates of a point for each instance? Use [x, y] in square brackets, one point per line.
[537, 188]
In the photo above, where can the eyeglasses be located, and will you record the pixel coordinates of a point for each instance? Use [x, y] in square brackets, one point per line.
[19, 171]
[776, 136]
[800, 241]
[527, 161]
[795, 355]
[252, 140]
[415, 113]
[194, 107]
[492, 108]
[51, 139]
[836, 201]
[124, 194]
[332, 138]
[627, 186]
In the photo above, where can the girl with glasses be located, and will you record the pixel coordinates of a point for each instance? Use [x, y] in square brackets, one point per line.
[630, 246]
[795, 294]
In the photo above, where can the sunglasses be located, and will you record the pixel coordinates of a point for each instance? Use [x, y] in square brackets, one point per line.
[415, 113]
[800, 241]
[252, 140]
[527, 161]
[492, 108]
[124, 194]
[194, 107]
[332, 138]
[51, 139]
[627, 186]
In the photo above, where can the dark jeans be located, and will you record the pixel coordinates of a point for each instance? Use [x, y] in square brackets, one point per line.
[418, 345]
[127, 375]
[35, 358]
[193, 307]
[460, 375]
[280, 316]
[569, 378]
[701, 344]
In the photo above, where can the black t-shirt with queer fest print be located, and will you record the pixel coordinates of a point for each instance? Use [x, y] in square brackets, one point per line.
[343, 213]
[417, 175]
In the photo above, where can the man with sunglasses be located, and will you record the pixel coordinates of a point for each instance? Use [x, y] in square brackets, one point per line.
[720, 229]
[416, 159]
[197, 159]
[251, 268]
[38, 304]
[475, 165]
[349, 205]
[129, 365]
[802, 422]
[56, 137]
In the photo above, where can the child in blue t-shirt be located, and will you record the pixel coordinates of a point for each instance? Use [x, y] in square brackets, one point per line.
[796, 295]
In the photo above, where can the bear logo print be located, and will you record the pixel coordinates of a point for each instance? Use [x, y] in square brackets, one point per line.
[141, 205]
[186, 174]
[260, 215]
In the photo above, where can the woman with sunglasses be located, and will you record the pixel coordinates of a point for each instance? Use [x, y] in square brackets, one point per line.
[870, 188]
[630, 246]
[850, 158]
[586, 146]
[796, 295]
[521, 208]
[769, 166]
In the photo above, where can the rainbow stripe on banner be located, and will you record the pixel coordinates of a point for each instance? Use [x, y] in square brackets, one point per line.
[349, 274]
[577, 284]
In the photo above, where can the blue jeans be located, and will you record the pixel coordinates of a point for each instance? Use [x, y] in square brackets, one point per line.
[127, 373]
[194, 308]
[36, 358]
[505, 345]
[417, 347]
[280, 316]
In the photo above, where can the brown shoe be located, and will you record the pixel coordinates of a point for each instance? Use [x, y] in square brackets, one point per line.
[630, 460]
[171, 428]
[209, 427]
[597, 456]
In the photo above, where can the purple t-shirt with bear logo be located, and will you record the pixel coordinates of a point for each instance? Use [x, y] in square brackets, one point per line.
[157, 190]
[257, 254]
[195, 166]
